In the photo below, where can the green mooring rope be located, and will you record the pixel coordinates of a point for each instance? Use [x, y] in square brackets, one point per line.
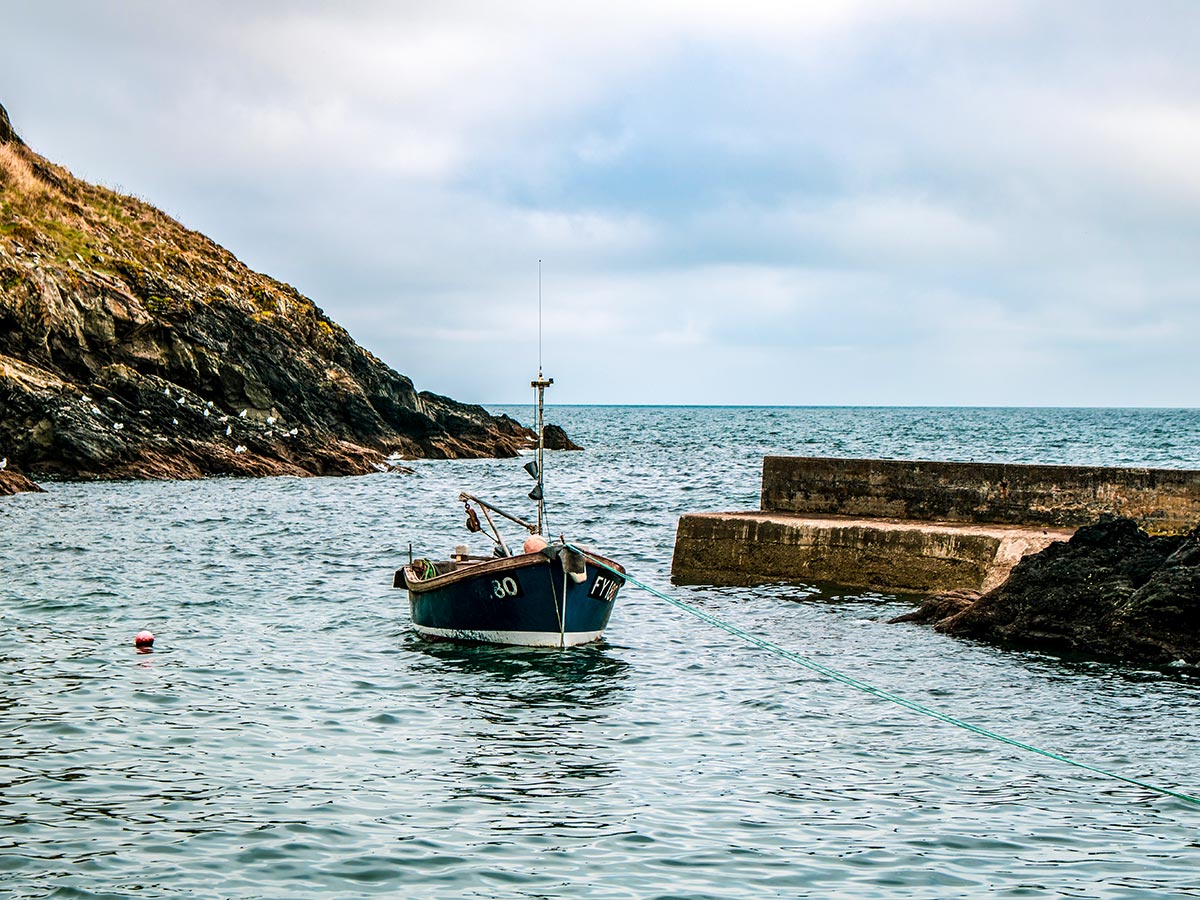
[850, 681]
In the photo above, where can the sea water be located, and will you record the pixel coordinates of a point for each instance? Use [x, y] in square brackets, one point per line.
[290, 736]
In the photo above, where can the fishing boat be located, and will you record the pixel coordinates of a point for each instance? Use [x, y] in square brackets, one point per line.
[550, 594]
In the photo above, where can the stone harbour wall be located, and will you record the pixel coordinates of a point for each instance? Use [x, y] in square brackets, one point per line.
[1162, 501]
[917, 526]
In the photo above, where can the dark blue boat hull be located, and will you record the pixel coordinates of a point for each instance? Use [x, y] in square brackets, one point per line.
[523, 600]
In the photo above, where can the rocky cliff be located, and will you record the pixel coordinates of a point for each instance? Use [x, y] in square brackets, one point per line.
[1110, 591]
[131, 346]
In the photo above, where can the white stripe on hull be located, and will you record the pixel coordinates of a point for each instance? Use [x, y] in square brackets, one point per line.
[516, 638]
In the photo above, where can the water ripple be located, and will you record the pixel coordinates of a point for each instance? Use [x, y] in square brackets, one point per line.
[289, 736]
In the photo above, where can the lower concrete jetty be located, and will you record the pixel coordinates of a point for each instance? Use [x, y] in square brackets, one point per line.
[886, 554]
[917, 526]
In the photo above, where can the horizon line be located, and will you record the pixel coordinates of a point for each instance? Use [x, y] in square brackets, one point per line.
[842, 406]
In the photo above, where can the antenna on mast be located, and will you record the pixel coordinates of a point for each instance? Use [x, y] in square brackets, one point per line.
[539, 320]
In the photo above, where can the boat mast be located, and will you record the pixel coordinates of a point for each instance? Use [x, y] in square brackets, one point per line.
[540, 386]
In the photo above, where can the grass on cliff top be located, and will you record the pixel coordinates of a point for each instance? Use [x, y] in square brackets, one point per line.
[52, 213]
[67, 221]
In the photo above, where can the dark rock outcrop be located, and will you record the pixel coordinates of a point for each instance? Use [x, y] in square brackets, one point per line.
[1112, 591]
[7, 135]
[132, 347]
[554, 438]
[15, 483]
[940, 607]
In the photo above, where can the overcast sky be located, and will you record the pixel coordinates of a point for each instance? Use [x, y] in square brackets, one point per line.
[892, 203]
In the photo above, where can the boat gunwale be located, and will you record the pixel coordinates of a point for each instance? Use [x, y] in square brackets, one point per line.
[500, 564]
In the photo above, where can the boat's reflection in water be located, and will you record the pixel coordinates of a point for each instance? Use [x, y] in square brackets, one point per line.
[526, 726]
[589, 675]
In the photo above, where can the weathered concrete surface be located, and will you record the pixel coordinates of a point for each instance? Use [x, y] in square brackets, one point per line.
[1161, 501]
[743, 548]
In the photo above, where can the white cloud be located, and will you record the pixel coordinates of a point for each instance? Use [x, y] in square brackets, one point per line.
[1154, 145]
[906, 231]
[727, 193]
[571, 233]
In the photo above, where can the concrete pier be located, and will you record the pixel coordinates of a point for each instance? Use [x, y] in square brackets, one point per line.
[885, 554]
[917, 526]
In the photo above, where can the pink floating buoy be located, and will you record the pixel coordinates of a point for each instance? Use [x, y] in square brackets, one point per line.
[143, 639]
